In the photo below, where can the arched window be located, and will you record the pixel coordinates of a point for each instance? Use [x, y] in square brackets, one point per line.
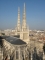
[44, 48]
[17, 55]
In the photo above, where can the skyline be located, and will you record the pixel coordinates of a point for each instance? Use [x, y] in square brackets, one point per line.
[35, 13]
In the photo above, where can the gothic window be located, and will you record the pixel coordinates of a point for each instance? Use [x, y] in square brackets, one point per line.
[17, 55]
[44, 48]
[22, 54]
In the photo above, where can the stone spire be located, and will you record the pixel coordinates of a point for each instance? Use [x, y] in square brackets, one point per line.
[24, 19]
[18, 22]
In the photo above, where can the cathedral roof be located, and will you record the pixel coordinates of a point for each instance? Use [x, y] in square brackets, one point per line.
[14, 40]
[4, 37]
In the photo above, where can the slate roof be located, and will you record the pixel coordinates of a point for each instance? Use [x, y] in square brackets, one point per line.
[4, 37]
[14, 40]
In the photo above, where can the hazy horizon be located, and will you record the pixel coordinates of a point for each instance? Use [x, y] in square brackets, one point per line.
[35, 13]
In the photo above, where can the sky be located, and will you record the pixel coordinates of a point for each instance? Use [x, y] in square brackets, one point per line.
[35, 13]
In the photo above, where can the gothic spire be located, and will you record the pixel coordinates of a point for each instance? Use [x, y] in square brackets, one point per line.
[18, 22]
[24, 19]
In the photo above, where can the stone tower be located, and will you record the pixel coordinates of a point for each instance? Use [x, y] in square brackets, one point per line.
[24, 34]
[18, 28]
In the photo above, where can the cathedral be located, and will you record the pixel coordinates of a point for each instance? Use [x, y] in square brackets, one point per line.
[13, 48]
[22, 30]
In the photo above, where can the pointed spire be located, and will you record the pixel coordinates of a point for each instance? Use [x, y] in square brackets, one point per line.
[18, 22]
[24, 18]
